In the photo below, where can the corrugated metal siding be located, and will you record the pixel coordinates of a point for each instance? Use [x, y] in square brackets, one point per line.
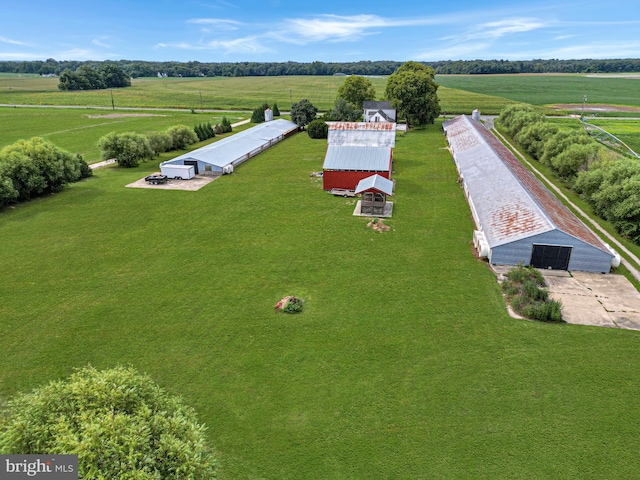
[372, 159]
[240, 146]
[584, 257]
[375, 134]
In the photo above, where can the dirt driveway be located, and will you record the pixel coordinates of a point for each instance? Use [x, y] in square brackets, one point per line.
[608, 300]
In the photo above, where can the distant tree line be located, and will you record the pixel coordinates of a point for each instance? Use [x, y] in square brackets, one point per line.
[135, 68]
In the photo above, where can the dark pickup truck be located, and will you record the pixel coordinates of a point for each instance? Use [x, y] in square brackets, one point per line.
[156, 179]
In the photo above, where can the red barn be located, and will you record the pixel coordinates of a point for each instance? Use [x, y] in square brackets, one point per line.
[345, 166]
[357, 150]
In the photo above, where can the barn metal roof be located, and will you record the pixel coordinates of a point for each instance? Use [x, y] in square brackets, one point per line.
[377, 183]
[224, 152]
[510, 201]
[373, 159]
[366, 134]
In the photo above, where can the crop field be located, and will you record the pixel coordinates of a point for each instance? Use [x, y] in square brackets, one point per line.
[549, 89]
[78, 130]
[627, 131]
[243, 93]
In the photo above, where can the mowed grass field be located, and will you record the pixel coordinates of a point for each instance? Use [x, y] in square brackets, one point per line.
[242, 93]
[78, 130]
[404, 363]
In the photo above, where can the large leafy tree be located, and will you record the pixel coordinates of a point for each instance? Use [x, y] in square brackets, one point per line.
[114, 76]
[357, 90]
[344, 111]
[129, 149]
[413, 92]
[119, 423]
[303, 112]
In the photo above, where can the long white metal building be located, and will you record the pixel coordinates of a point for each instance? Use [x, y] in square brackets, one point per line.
[226, 154]
[518, 219]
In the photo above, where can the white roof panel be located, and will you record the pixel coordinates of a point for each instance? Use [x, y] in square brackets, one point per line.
[374, 159]
[226, 151]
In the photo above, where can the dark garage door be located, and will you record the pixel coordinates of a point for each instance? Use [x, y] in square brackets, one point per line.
[550, 256]
[194, 163]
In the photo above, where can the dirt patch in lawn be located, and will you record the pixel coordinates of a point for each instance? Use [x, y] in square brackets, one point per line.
[594, 107]
[126, 115]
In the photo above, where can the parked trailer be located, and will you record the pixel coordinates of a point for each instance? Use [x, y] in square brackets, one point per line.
[178, 172]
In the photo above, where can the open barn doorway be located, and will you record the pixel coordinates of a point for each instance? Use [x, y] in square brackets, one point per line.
[550, 256]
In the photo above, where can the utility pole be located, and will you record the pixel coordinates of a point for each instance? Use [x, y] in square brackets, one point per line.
[584, 100]
[113, 105]
[290, 99]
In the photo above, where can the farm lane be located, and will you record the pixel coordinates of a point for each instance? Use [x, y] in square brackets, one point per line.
[98, 107]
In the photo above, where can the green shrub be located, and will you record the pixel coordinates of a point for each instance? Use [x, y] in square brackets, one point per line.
[294, 305]
[159, 142]
[128, 148]
[181, 137]
[524, 290]
[118, 422]
[318, 129]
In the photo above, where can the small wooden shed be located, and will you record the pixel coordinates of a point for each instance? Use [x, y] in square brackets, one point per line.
[374, 190]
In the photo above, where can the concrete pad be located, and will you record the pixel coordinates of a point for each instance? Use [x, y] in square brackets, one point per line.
[614, 291]
[604, 300]
[193, 184]
[630, 321]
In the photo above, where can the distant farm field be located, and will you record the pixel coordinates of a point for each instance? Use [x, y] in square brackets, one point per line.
[549, 89]
[403, 364]
[243, 93]
[627, 131]
[78, 130]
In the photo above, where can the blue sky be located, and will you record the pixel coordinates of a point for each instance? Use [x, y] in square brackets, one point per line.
[329, 30]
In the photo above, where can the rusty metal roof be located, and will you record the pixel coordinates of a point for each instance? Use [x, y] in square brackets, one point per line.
[510, 201]
[362, 134]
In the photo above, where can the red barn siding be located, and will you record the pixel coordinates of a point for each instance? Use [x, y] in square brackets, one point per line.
[347, 179]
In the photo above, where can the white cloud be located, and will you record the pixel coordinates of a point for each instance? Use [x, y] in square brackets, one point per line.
[499, 29]
[335, 28]
[100, 42]
[11, 41]
[220, 23]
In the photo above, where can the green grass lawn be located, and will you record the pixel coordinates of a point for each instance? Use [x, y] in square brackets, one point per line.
[78, 130]
[404, 363]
